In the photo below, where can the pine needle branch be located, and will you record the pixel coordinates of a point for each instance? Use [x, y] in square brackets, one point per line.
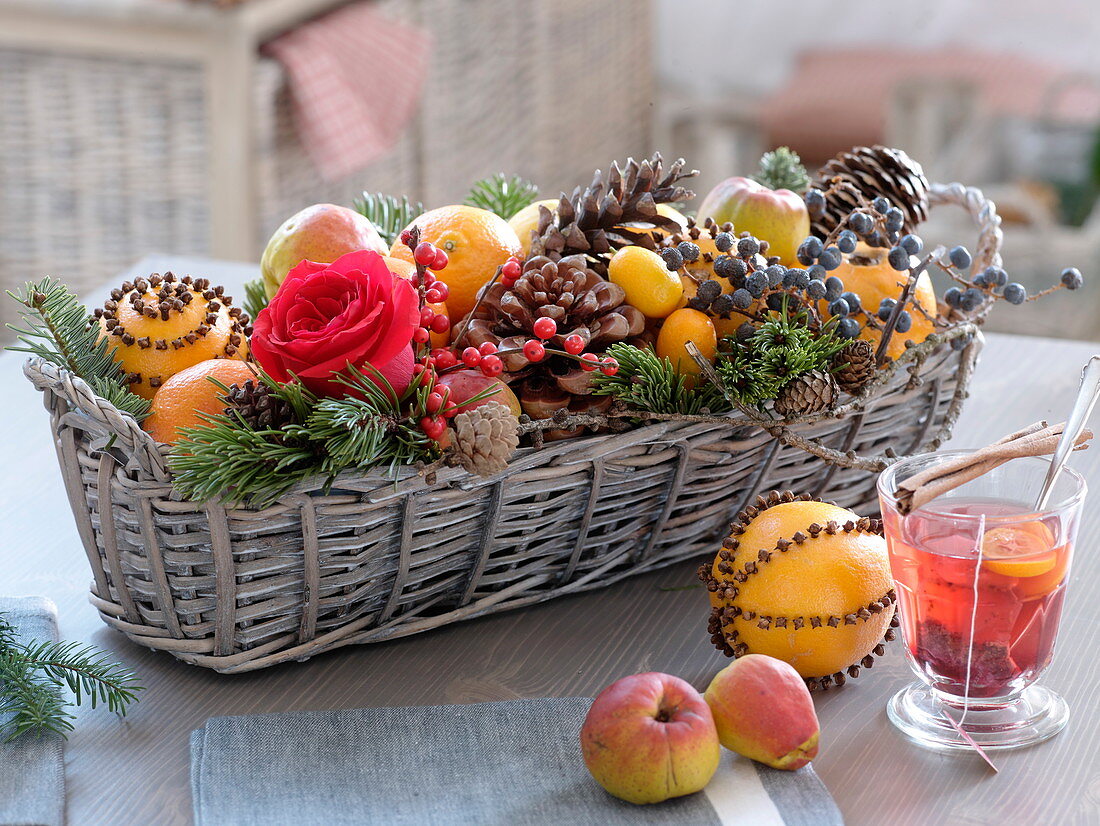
[754, 369]
[59, 329]
[228, 460]
[255, 297]
[502, 194]
[782, 169]
[388, 214]
[646, 382]
[33, 678]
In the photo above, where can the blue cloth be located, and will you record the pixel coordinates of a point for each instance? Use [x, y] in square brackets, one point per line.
[32, 768]
[516, 763]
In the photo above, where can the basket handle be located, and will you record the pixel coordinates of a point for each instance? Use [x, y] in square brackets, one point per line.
[57, 384]
[987, 254]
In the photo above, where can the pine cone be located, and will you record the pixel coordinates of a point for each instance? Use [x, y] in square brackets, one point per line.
[872, 171]
[258, 406]
[581, 302]
[616, 210]
[485, 438]
[809, 393]
[854, 366]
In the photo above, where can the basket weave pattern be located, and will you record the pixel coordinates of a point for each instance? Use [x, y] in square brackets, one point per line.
[241, 589]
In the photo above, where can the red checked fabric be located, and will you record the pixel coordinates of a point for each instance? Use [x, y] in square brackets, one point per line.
[355, 79]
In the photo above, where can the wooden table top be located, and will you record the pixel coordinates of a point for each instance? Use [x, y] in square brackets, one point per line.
[136, 770]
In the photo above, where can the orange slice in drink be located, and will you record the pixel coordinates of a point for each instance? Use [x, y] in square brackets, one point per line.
[1024, 550]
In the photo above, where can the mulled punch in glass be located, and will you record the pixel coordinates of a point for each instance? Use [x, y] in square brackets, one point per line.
[981, 579]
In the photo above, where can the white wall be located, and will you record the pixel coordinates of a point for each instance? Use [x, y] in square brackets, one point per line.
[750, 45]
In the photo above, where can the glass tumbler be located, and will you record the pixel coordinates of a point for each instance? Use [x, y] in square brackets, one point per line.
[981, 577]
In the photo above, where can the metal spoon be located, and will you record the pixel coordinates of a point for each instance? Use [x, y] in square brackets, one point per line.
[1082, 407]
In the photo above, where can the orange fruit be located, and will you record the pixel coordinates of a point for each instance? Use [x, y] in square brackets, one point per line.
[1024, 550]
[407, 269]
[823, 576]
[647, 282]
[155, 349]
[877, 280]
[180, 400]
[680, 327]
[476, 242]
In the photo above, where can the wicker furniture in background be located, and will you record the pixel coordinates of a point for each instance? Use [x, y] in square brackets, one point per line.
[237, 589]
[131, 126]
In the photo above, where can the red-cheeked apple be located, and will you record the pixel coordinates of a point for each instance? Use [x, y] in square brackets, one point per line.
[650, 737]
[321, 233]
[766, 207]
[763, 710]
[468, 384]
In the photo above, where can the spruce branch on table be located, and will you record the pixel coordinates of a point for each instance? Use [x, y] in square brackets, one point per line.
[33, 679]
[59, 329]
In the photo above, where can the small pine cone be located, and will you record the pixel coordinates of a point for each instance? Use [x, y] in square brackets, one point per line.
[255, 404]
[485, 438]
[809, 393]
[872, 171]
[854, 366]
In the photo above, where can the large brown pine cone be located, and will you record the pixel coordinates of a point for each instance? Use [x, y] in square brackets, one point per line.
[871, 171]
[616, 210]
[580, 301]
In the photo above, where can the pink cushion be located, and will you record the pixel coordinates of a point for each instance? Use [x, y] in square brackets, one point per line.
[837, 99]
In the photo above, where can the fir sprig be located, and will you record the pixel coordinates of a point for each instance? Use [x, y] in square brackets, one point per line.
[782, 169]
[502, 194]
[255, 297]
[33, 679]
[60, 330]
[227, 459]
[389, 215]
[373, 427]
[646, 382]
[755, 368]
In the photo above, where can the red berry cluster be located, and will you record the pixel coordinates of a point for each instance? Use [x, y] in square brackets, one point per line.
[485, 358]
[429, 258]
[436, 406]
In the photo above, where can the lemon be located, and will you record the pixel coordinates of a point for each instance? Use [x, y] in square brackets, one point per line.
[646, 280]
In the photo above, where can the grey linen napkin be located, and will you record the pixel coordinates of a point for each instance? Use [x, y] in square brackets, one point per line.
[32, 769]
[516, 762]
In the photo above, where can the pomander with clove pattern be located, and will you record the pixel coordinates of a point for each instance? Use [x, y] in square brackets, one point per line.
[163, 324]
[804, 581]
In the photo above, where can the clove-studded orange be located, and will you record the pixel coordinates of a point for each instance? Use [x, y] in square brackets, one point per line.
[160, 325]
[806, 582]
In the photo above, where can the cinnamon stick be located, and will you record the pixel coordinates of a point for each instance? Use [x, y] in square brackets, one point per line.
[1039, 439]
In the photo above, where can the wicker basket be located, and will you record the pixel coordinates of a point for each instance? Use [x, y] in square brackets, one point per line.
[375, 558]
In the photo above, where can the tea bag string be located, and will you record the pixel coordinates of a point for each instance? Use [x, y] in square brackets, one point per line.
[973, 617]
